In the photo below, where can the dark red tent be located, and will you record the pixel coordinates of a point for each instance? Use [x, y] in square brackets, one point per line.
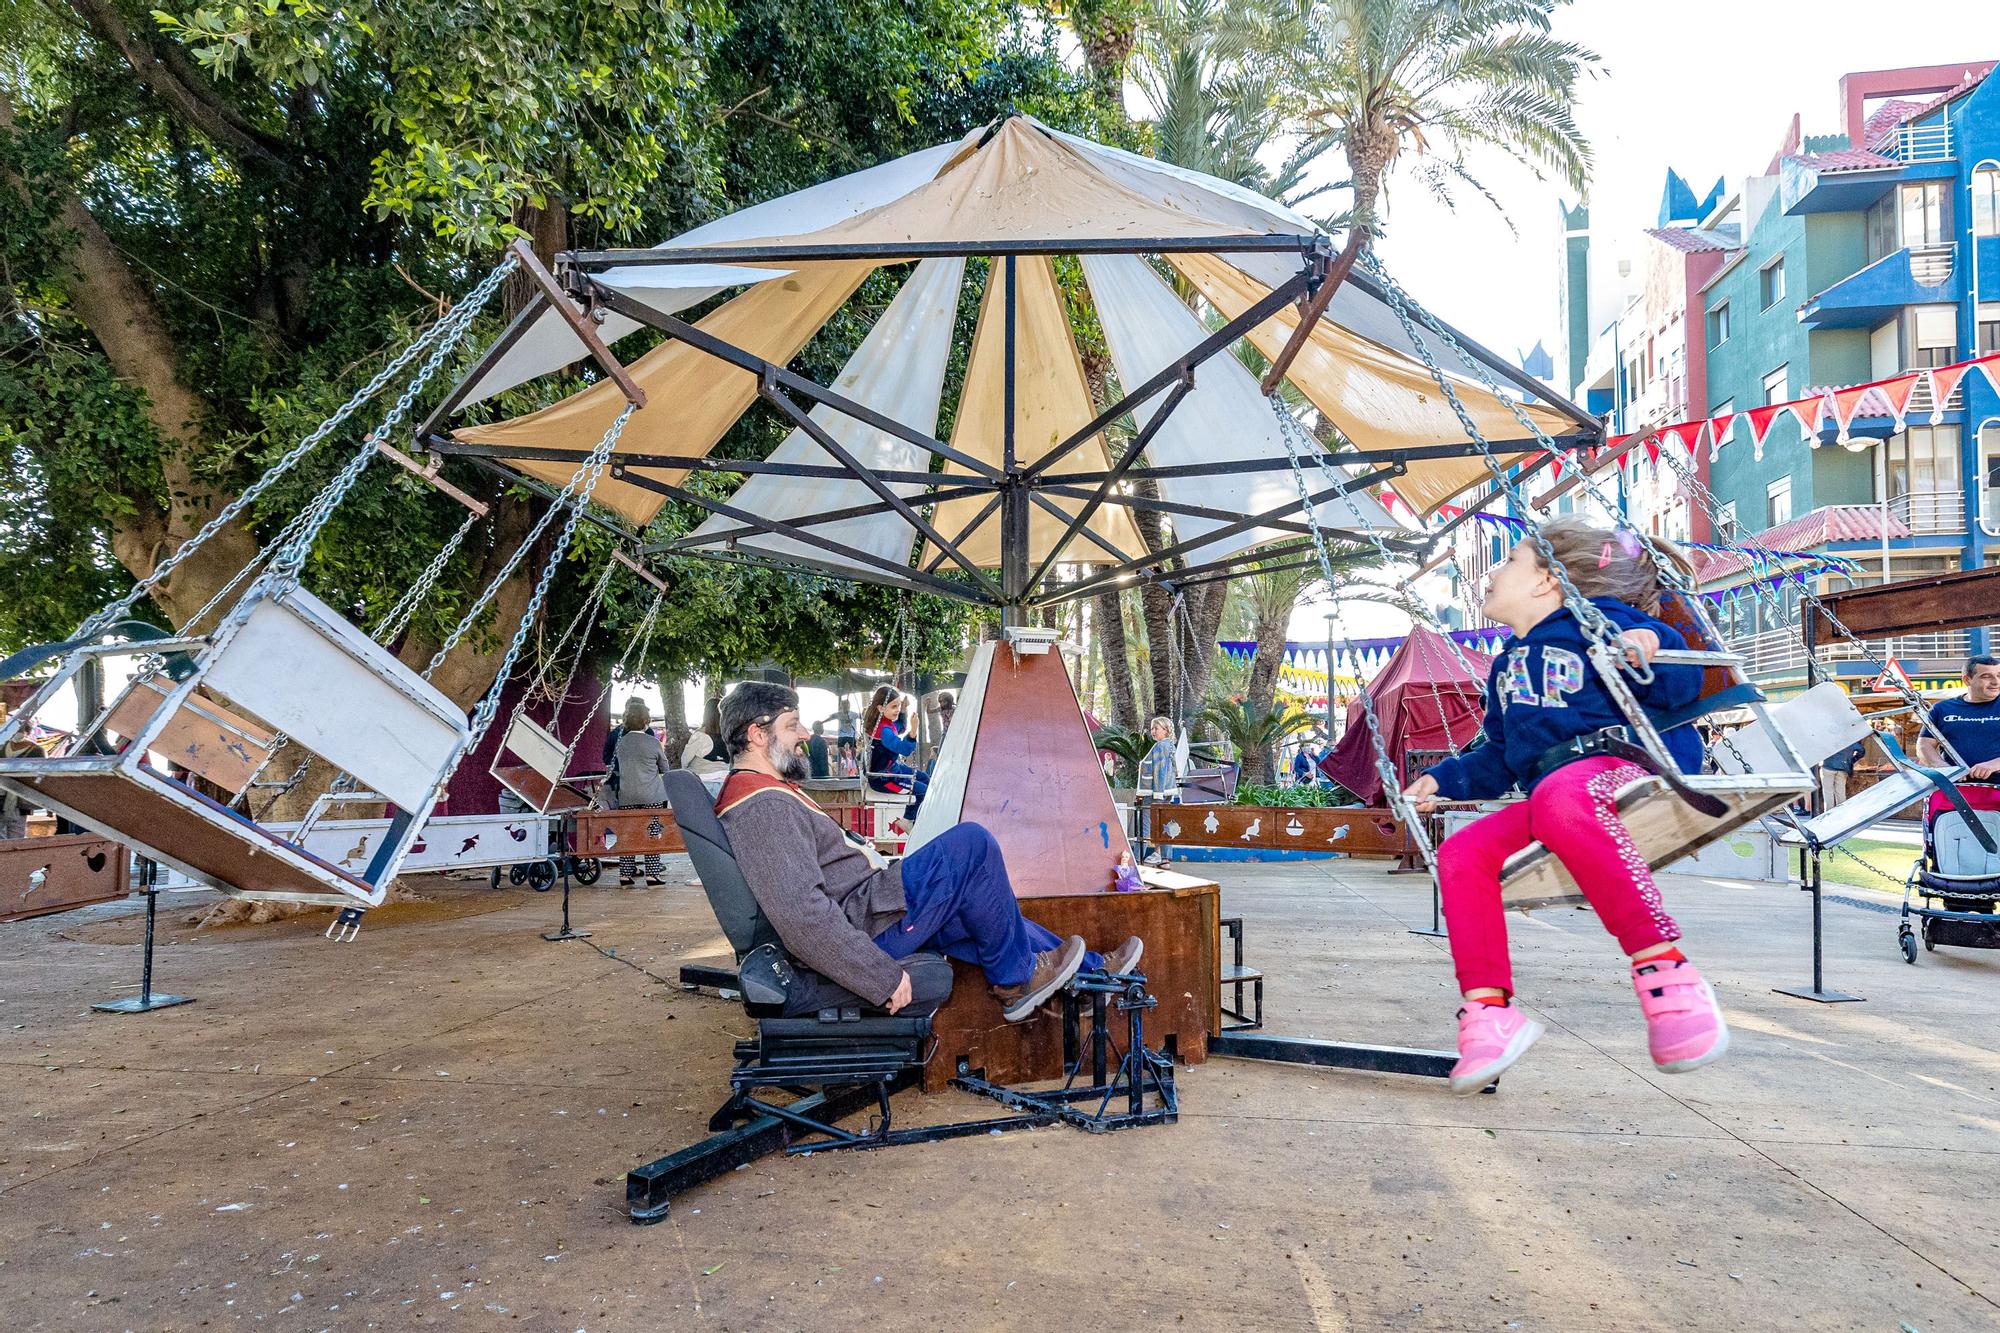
[1422, 696]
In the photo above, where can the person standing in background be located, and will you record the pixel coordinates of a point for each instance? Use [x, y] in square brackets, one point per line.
[642, 783]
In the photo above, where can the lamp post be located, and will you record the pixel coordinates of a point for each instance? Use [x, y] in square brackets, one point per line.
[1331, 616]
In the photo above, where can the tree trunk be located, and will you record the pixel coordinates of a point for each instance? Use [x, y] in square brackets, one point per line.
[1110, 618]
[548, 232]
[1204, 608]
[674, 720]
[466, 675]
[1264, 667]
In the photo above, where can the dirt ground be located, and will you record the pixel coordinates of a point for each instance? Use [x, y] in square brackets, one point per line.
[431, 1124]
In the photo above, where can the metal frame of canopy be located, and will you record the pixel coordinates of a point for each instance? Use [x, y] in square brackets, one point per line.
[1015, 488]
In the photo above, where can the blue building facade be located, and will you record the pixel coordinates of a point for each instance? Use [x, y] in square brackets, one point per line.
[1861, 256]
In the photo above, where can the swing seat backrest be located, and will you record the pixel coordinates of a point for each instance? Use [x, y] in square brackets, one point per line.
[1819, 724]
[298, 667]
[729, 896]
[534, 746]
[203, 737]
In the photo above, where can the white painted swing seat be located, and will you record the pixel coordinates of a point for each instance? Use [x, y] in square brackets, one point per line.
[1664, 828]
[292, 665]
[538, 779]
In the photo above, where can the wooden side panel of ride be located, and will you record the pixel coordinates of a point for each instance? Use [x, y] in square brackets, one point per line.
[635, 832]
[1182, 964]
[43, 875]
[1349, 832]
[1035, 782]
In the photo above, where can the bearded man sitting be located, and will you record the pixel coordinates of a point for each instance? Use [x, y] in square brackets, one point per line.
[853, 921]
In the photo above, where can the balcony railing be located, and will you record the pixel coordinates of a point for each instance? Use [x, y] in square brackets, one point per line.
[1927, 513]
[1922, 143]
[1774, 652]
[1923, 400]
[1930, 265]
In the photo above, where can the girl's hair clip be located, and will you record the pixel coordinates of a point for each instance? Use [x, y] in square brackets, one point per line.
[1604, 556]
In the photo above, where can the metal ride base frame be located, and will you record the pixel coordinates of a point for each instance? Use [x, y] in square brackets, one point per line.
[839, 1068]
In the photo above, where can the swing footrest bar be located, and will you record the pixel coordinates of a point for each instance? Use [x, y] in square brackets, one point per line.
[1332, 1054]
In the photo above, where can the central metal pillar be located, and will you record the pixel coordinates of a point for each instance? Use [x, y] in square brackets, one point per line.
[1013, 495]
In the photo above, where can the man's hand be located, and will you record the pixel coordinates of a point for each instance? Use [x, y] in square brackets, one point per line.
[1423, 792]
[1984, 772]
[1640, 645]
[900, 997]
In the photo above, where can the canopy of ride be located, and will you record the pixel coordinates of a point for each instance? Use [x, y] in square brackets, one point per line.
[1147, 234]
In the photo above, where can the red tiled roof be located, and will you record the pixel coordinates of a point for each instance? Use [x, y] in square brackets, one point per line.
[1690, 240]
[1874, 135]
[1828, 523]
[1887, 116]
[1847, 159]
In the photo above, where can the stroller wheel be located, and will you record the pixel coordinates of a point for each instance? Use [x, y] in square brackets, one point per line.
[541, 875]
[1930, 938]
[1908, 939]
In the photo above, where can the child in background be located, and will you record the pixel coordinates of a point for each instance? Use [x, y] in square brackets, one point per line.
[1157, 770]
[1542, 700]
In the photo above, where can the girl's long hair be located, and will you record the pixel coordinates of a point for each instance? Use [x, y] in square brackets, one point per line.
[873, 712]
[1607, 562]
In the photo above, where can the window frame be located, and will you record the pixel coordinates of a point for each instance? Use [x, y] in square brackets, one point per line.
[1783, 374]
[1718, 325]
[1770, 288]
[1782, 487]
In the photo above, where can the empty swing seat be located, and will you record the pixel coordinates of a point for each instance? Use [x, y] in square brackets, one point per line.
[289, 665]
[538, 779]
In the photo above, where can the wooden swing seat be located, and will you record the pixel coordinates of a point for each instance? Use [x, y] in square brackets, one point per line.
[538, 793]
[203, 736]
[1664, 828]
[538, 779]
[127, 799]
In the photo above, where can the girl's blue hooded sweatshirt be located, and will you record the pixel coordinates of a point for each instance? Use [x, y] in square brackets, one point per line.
[1544, 691]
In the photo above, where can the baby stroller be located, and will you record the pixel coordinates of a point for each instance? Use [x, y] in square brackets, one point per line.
[1961, 870]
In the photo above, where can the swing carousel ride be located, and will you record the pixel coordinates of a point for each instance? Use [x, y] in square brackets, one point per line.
[863, 488]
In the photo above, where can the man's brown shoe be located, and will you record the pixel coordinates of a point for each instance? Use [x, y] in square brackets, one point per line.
[1122, 960]
[1053, 971]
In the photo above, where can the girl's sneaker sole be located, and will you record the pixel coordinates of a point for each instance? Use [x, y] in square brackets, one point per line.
[1708, 1057]
[1530, 1033]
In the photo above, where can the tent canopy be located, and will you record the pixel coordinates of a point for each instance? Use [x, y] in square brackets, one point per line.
[1426, 700]
[1041, 465]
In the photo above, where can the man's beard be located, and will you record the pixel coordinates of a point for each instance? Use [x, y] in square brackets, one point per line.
[790, 764]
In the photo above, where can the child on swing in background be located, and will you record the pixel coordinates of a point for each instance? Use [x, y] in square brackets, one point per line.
[1544, 701]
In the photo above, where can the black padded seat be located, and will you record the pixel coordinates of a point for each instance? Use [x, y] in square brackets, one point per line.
[750, 932]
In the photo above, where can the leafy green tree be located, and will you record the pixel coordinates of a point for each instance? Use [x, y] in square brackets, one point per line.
[1253, 734]
[216, 222]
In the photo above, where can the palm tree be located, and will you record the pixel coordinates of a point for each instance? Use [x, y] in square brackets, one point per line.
[1254, 734]
[1438, 78]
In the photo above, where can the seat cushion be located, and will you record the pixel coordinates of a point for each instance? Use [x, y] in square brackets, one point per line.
[930, 987]
[1957, 851]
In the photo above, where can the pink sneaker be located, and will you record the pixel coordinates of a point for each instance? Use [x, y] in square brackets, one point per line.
[1684, 1024]
[1490, 1039]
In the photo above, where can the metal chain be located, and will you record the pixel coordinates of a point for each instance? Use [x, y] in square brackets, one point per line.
[399, 616]
[1392, 787]
[642, 639]
[451, 325]
[589, 472]
[290, 563]
[579, 628]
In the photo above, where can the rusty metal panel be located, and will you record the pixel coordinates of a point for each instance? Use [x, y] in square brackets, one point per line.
[53, 874]
[1036, 783]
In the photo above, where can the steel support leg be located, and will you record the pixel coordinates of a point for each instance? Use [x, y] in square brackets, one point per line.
[1809, 880]
[145, 1001]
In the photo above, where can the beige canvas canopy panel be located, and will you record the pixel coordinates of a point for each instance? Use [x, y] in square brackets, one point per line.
[1025, 234]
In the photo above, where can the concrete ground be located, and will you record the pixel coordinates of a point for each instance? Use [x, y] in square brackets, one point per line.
[430, 1125]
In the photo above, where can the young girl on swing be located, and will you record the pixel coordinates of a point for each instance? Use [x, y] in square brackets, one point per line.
[1544, 703]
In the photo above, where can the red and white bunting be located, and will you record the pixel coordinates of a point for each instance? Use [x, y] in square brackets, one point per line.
[1810, 412]
[1989, 366]
[1687, 435]
[1895, 395]
[1944, 382]
[1761, 419]
[1719, 427]
[1847, 405]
